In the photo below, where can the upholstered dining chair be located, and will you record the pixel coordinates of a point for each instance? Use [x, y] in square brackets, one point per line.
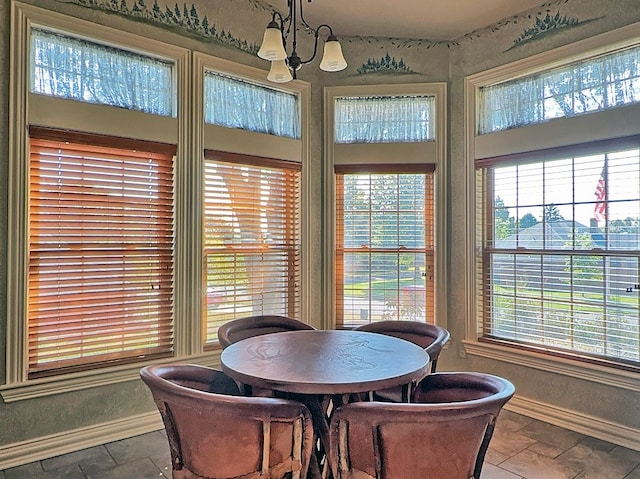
[214, 433]
[443, 433]
[242, 328]
[428, 336]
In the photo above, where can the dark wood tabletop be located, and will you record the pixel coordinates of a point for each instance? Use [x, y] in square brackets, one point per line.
[325, 362]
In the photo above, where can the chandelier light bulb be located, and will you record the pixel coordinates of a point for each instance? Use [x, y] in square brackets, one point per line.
[279, 72]
[332, 59]
[272, 48]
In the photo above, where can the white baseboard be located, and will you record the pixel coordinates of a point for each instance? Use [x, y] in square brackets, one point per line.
[591, 426]
[44, 447]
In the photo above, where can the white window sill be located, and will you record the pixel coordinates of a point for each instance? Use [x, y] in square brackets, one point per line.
[30, 389]
[577, 369]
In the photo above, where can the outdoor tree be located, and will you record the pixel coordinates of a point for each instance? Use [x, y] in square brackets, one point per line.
[527, 221]
[552, 214]
[505, 224]
[584, 269]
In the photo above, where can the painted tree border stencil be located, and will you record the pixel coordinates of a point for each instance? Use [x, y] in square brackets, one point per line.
[179, 19]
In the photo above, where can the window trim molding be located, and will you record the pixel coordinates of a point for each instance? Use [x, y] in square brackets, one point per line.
[23, 17]
[188, 220]
[576, 369]
[606, 42]
[439, 148]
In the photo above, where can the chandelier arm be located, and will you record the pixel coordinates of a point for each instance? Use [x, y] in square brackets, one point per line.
[281, 22]
[315, 42]
[304, 22]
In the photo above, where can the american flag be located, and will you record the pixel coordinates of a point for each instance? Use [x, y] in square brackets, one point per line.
[600, 209]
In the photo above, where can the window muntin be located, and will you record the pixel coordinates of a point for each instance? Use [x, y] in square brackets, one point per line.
[385, 247]
[559, 252]
[100, 283]
[384, 119]
[600, 83]
[251, 239]
[237, 103]
[68, 67]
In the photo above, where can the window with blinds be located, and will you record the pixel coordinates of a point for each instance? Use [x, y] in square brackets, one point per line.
[385, 246]
[559, 250]
[251, 230]
[100, 280]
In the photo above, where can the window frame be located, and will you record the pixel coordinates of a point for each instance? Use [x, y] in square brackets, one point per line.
[580, 129]
[360, 155]
[243, 142]
[26, 108]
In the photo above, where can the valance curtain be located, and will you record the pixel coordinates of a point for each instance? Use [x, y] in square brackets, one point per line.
[384, 119]
[76, 69]
[235, 103]
[596, 84]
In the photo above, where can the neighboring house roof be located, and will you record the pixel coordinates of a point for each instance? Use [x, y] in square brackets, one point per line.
[552, 235]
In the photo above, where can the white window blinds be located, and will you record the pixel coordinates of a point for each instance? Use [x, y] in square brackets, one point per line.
[559, 237]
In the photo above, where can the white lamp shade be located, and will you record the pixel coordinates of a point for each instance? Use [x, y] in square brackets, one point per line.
[272, 48]
[332, 59]
[279, 72]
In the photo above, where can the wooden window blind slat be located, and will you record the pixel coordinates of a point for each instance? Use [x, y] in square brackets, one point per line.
[100, 287]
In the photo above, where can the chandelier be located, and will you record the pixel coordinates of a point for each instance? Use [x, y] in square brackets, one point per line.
[274, 44]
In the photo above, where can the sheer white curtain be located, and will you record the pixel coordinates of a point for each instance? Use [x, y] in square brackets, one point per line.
[240, 104]
[77, 69]
[387, 119]
[597, 84]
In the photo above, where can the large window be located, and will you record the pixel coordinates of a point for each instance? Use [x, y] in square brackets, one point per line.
[100, 252]
[387, 149]
[560, 251]
[557, 169]
[251, 239]
[385, 247]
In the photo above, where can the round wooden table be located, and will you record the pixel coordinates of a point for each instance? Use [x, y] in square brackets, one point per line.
[324, 369]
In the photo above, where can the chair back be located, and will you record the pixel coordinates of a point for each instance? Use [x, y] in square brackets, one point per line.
[215, 433]
[243, 328]
[443, 433]
[428, 336]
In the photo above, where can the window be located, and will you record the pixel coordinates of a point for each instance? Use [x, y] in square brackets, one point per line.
[387, 119]
[251, 227]
[560, 251]
[385, 247]
[68, 67]
[387, 152]
[100, 252]
[236, 103]
[557, 167]
[251, 239]
[596, 84]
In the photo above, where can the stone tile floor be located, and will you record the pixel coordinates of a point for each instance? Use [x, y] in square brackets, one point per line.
[521, 448]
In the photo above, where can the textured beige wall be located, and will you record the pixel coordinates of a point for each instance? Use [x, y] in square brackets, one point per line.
[429, 61]
[478, 52]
